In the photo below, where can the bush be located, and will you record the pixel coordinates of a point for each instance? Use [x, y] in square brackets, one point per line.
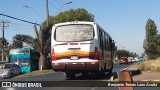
[151, 65]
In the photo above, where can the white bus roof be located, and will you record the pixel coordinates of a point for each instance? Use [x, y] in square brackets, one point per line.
[80, 22]
[75, 22]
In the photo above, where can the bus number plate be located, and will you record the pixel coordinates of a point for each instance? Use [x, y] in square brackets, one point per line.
[74, 57]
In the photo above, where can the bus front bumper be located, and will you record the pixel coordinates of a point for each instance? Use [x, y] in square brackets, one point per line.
[74, 65]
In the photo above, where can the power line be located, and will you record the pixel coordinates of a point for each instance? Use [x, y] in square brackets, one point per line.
[34, 11]
[65, 5]
[18, 19]
[60, 4]
[20, 24]
[52, 5]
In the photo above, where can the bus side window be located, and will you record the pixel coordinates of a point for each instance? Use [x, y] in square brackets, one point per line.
[100, 35]
[106, 41]
[108, 44]
[111, 44]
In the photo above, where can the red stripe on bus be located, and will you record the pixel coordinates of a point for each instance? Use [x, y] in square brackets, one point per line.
[73, 43]
[61, 44]
[85, 43]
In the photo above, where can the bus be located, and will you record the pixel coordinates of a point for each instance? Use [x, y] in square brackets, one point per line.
[81, 47]
[26, 58]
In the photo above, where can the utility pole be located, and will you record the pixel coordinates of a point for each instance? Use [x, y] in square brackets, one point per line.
[3, 26]
[47, 12]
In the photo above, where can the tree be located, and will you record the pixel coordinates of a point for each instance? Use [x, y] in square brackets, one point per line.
[4, 44]
[43, 38]
[38, 43]
[79, 14]
[150, 43]
[17, 44]
[125, 53]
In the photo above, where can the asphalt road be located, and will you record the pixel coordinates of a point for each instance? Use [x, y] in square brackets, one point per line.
[59, 76]
[87, 82]
[81, 82]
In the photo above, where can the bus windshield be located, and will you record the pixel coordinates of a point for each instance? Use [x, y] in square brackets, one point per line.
[25, 61]
[74, 33]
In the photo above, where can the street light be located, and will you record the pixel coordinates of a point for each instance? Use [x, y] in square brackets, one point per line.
[63, 5]
[34, 10]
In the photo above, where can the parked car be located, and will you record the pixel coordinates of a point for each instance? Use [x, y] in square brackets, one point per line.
[8, 70]
[136, 59]
[2, 62]
[141, 59]
[123, 60]
[130, 59]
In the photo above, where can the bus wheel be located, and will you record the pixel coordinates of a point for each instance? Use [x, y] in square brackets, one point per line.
[101, 74]
[110, 71]
[67, 76]
[85, 73]
[70, 76]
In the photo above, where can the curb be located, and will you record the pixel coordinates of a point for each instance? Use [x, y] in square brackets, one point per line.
[128, 67]
[134, 72]
[115, 76]
[151, 81]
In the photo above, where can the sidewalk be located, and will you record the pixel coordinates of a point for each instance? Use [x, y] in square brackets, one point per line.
[138, 75]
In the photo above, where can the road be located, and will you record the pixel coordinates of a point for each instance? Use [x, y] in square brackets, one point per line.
[88, 81]
[59, 76]
[81, 82]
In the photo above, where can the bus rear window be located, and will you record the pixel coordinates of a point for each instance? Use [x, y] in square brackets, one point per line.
[74, 33]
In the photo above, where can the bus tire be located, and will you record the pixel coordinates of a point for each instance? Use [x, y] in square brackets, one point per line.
[70, 76]
[67, 76]
[110, 71]
[85, 73]
[100, 74]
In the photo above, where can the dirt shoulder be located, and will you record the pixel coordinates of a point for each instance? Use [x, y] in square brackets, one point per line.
[138, 75]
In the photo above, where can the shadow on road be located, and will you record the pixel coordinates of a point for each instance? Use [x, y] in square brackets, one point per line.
[92, 76]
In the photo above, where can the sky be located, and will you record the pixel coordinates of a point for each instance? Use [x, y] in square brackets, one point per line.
[124, 20]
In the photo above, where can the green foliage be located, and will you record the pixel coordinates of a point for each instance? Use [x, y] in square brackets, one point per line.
[38, 43]
[150, 43]
[125, 53]
[4, 44]
[79, 14]
[42, 42]
[66, 16]
[73, 15]
[17, 44]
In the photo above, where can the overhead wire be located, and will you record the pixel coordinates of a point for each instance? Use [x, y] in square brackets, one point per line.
[66, 4]
[61, 5]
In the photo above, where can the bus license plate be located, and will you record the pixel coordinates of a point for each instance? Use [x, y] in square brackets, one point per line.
[74, 57]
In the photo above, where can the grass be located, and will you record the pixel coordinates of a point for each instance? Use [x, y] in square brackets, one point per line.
[150, 65]
[35, 73]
